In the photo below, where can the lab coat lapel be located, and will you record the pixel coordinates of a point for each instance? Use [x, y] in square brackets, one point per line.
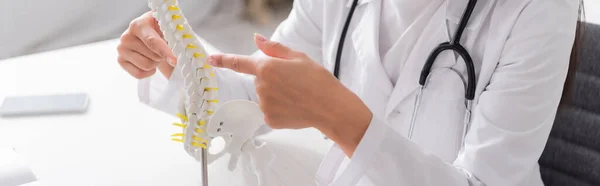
[375, 85]
[421, 38]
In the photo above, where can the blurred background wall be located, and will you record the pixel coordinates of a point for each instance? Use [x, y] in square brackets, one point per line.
[31, 26]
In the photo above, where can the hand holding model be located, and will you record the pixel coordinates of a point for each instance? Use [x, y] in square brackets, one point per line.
[143, 49]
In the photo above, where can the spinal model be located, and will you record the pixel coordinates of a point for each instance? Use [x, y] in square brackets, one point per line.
[235, 121]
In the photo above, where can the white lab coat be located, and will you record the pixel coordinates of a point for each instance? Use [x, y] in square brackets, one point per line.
[521, 51]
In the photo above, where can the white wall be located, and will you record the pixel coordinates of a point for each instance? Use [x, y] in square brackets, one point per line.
[592, 11]
[29, 26]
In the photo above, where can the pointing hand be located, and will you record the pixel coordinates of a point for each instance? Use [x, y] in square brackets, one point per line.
[294, 92]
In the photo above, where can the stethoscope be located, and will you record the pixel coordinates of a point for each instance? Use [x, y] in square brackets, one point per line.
[453, 45]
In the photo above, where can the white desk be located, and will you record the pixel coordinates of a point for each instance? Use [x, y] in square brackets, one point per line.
[119, 141]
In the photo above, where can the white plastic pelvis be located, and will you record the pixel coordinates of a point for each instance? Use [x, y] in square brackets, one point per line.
[237, 122]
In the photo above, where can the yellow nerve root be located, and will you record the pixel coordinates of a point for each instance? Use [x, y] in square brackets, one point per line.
[173, 8]
[184, 118]
[198, 55]
[198, 139]
[190, 46]
[211, 89]
[198, 145]
[187, 36]
[195, 144]
[201, 122]
[179, 125]
[175, 17]
[180, 28]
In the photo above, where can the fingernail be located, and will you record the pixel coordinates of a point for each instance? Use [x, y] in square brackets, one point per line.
[260, 37]
[211, 61]
[170, 61]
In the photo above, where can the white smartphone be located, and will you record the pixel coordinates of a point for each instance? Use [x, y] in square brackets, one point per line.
[44, 104]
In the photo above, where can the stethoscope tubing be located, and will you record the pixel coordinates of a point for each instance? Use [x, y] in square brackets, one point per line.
[452, 45]
[338, 56]
[458, 48]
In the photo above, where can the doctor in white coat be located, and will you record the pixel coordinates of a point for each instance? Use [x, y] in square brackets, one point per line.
[520, 50]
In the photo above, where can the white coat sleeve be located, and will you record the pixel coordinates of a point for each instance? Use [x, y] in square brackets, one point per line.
[301, 31]
[509, 127]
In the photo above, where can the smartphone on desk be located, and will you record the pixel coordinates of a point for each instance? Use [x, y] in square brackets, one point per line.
[44, 104]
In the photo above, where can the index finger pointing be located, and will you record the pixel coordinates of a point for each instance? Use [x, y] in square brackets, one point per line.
[238, 63]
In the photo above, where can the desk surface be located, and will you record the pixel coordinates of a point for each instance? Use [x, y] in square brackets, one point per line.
[119, 141]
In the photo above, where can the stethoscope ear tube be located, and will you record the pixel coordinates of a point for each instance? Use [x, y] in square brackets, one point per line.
[338, 56]
[454, 45]
[463, 21]
[426, 70]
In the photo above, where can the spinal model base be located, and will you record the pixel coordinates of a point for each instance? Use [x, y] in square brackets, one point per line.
[235, 121]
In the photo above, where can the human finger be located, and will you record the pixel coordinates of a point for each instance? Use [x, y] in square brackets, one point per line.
[133, 70]
[166, 69]
[238, 63]
[133, 43]
[145, 30]
[137, 59]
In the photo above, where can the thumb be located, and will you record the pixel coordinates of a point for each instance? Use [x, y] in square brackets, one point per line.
[272, 48]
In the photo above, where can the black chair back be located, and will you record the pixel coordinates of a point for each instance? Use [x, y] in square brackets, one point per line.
[572, 154]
